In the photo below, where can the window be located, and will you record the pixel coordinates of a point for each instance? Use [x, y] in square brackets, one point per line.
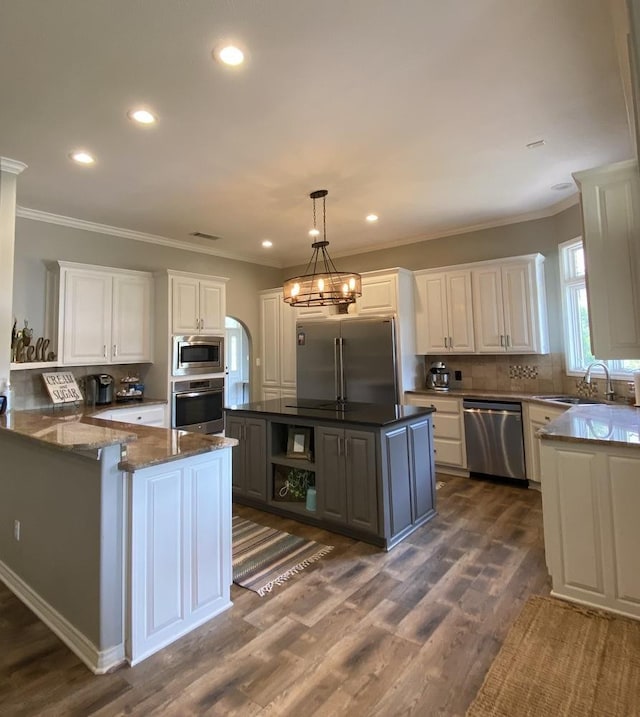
[575, 309]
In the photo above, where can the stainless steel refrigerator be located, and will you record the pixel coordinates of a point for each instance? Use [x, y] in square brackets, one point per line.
[347, 360]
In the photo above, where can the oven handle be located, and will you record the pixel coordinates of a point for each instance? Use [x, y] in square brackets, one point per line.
[193, 394]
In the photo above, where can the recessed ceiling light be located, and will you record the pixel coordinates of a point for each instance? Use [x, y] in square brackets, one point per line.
[229, 55]
[314, 232]
[267, 243]
[536, 144]
[82, 157]
[372, 217]
[142, 116]
[562, 185]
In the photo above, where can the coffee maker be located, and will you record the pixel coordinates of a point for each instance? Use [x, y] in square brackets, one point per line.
[438, 376]
[98, 389]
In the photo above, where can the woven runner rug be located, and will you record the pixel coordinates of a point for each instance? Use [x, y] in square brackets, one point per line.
[264, 557]
[563, 660]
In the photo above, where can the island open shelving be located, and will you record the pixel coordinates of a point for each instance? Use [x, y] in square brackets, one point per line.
[370, 465]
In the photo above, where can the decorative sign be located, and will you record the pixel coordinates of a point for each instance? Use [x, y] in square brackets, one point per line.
[62, 387]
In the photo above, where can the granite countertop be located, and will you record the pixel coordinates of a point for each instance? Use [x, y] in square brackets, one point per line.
[608, 425]
[500, 396]
[371, 414]
[153, 445]
[66, 431]
[77, 428]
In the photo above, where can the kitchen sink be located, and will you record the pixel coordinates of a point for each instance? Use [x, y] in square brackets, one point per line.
[573, 400]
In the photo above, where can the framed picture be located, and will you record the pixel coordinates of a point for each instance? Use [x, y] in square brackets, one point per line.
[299, 442]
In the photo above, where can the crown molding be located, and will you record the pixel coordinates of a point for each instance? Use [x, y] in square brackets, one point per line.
[13, 166]
[49, 218]
[470, 228]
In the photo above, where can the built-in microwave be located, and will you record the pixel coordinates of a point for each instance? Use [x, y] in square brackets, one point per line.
[197, 354]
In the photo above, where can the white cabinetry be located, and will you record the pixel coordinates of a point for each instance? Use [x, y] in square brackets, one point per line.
[444, 313]
[590, 497]
[180, 543]
[611, 221]
[197, 305]
[379, 294]
[509, 306]
[278, 346]
[104, 315]
[536, 416]
[140, 415]
[448, 429]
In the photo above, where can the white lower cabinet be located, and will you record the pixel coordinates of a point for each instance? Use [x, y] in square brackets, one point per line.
[180, 547]
[141, 415]
[448, 429]
[536, 416]
[590, 497]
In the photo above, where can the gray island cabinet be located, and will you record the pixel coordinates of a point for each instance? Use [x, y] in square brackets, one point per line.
[369, 466]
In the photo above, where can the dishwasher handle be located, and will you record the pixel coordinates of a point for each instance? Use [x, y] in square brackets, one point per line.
[472, 406]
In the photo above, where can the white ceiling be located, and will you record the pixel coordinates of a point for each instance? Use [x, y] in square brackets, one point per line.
[417, 110]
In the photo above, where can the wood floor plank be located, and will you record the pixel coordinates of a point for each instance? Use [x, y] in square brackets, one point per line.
[361, 632]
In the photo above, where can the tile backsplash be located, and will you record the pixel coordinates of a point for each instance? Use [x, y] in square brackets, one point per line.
[28, 386]
[534, 374]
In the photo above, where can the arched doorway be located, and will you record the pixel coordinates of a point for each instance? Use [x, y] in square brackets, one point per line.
[237, 389]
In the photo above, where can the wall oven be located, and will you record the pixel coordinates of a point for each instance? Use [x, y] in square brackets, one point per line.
[198, 405]
[197, 354]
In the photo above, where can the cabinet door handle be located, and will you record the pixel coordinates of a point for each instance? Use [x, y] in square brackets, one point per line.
[197, 324]
[115, 349]
[104, 350]
[346, 447]
[501, 339]
[508, 340]
[450, 342]
[445, 342]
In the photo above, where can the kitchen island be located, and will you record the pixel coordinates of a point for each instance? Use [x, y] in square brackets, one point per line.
[363, 470]
[117, 536]
[590, 460]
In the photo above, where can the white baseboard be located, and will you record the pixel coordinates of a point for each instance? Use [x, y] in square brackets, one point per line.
[98, 661]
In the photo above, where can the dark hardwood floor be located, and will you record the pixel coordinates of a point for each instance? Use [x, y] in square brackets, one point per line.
[361, 632]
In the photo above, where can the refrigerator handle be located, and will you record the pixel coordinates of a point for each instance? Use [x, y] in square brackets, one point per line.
[336, 368]
[342, 395]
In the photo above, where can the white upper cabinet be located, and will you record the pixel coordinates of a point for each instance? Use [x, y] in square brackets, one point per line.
[197, 305]
[509, 306]
[611, 222]
[379, 294]
[444, 313]
[105, 315]
[132, 318]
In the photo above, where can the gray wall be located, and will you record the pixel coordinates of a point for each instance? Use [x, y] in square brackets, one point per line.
[71, 514]
[540, 235]
[37, 242]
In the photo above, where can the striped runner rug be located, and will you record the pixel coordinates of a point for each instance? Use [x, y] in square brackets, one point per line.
[264, 557]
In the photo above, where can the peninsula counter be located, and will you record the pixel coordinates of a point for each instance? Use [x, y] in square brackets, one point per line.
[363, 470]
[118, 536]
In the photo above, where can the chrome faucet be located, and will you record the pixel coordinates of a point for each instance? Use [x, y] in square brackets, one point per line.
[608, 388]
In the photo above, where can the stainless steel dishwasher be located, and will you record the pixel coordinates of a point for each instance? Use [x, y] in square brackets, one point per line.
[494, 439]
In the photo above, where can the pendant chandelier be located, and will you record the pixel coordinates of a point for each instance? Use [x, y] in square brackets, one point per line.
[322, 284]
